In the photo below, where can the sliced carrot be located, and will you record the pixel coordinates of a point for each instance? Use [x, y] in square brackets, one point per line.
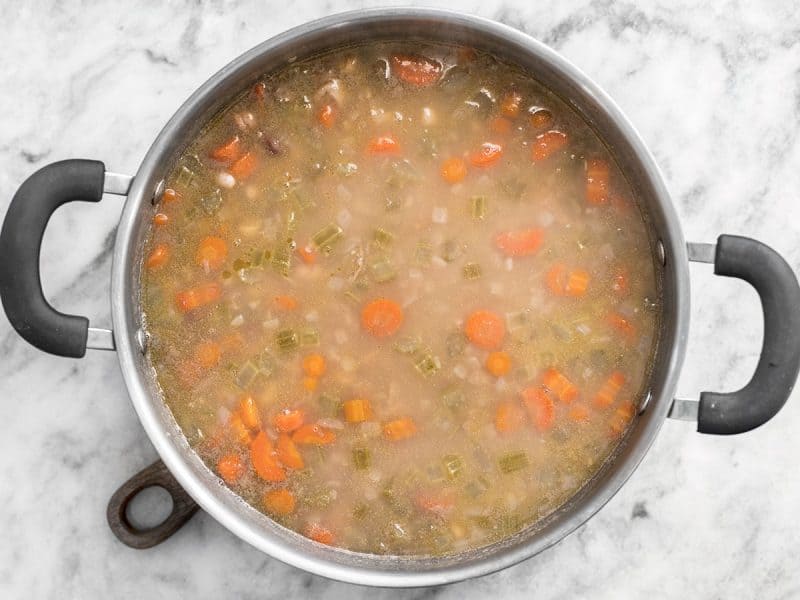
[285, 302]
[287, 452]
[487, 155]
[248, 409]
[326, 116]
[211, 253]
[510, 104]
[415, 69]
[207, 354]
[244, 166]
[608, 392]
[578, 413]
[158, 257]
[621, 324]
[381, 317]
[314, 365]
[229, 151]
[384, 144]
[560, 385]
[319, 534]
[230, 468]
[541, 409]
[541, 118]
[314, 435]
[160, 219]
[577, 283]
[170, 196]
[439, 503]
[621, 417]
[400, 429]
[498, 363]
[262, 455]
[567, 283]
[597, 179]
[307, 254]
[288, 420]
[280, 502]
[260, 90]
[508, 417]
[500, 125]
[522, 242]
[485, 329]
[239, 431]
[453, 170]
[310, 383]
[357, 410]
[548, 143]
[198, 296]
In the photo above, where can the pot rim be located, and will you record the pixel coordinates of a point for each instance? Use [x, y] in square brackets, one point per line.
[176, 453]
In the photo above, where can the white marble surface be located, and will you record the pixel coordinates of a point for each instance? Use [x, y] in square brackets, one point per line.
[714, 89]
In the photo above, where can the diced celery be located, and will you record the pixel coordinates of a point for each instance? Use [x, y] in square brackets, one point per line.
[454, 398]
[513, 461]
[427, 364]
[407, 345]
[478, 205]
[246, 375]
[382, 237]
[451, 250]
[455, 343]
[453, 465]
[327, 237]
[476, 487]
[361, 458]
[211, 203]
[472, 271]
[282, 260]
[309, 337]
[287, 339]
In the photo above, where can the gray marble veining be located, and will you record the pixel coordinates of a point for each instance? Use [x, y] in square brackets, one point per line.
[714, 89]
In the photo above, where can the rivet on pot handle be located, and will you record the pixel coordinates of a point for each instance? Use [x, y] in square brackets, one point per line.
[779, 363]
[20, 244]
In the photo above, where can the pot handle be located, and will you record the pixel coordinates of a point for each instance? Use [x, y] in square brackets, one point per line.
[20, 244]
[765, 394]
[156, 475]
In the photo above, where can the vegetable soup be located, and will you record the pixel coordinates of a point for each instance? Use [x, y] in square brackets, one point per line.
[401, 300]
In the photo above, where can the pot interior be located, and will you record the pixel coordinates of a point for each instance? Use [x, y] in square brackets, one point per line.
[584, 98]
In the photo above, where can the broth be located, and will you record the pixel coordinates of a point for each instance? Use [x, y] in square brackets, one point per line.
[401, 300]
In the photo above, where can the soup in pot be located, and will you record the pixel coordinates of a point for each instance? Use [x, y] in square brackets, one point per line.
[401, 299]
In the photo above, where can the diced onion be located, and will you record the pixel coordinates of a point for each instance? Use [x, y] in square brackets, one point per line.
[545, 219]
[237, 321]
[312, 316]
[340, 335]
[439, 215]
[344, 218]
[225, 179]
[335, 283]
[509, 264]
[331, 423]
[428, 117]
[438, 261]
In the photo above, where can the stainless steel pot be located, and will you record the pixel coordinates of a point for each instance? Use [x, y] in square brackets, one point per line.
[54, 332]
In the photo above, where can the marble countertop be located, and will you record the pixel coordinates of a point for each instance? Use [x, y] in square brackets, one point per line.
[713, 87]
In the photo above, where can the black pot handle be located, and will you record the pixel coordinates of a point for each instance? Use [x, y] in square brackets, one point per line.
[779, 363]
[20, 243]
[156, 475]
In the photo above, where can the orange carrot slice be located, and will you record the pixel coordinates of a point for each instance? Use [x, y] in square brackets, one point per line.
[262, 455]
[487, 155]
[382, 317]
[313, 435]
[230, 468]
[557, 382]
[400, 429]
[280, 502]
[508, 417]
[453, 170]
[288, 420]
[211, 253]
[415, 70]
[540, 407]
[287, 452]
[522, 242]
[485, 329]
[548, 143]
[158, 257]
